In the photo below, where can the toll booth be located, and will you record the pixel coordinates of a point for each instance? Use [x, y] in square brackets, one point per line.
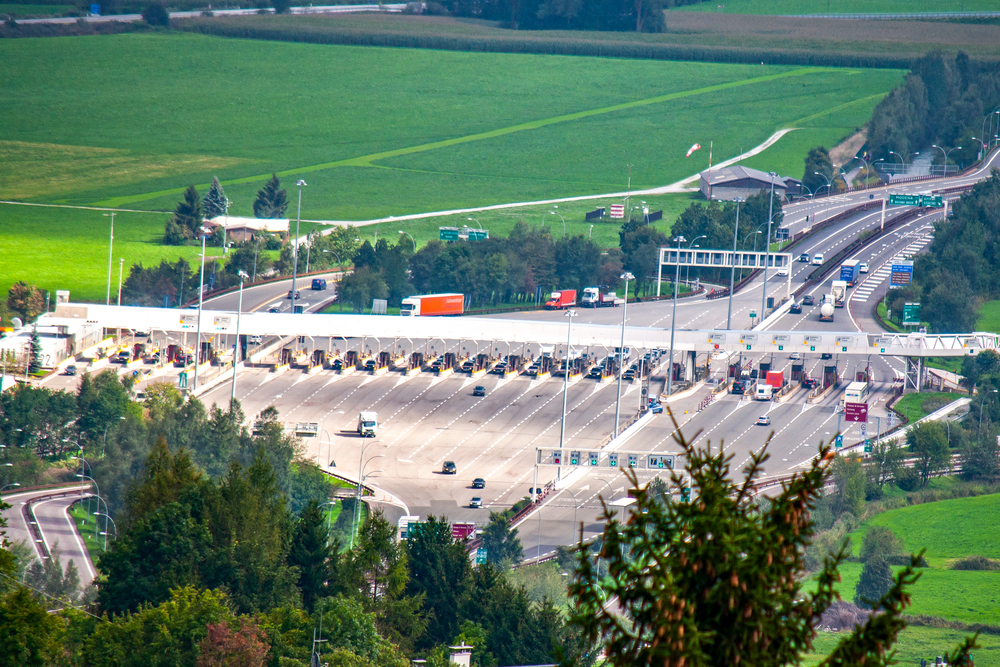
[416, 361]
[448, 360]
[575, 366]
[765, 366]
[610, 368]
[207, 352]
[830, 376]
[481, 362]
[678, 372]
[734, 370]
[545, 365]
[861, 376]
[383, 360]
[350, 358]
[797, 372]
[285, 356]
[317, 358]
[514, 362]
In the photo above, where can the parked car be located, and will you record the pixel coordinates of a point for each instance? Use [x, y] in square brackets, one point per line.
[449, 468]
[479, 391]
[808, 300]
[863, 267]
[763, 420]
[476, 502]
[479, 483]
[796, 309]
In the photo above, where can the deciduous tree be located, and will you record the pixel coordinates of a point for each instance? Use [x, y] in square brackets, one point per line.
[503, 547]
[25, 301]
[928, 441]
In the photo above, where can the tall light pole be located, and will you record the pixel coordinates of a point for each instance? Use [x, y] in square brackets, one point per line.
[411, 238]
[767, 244]
[981, 404]
[201, 299]
[295, 248]
[477, 223]
[236, 348]
[621, 351]
[561, 218]
[105, 441]
[562, 424]
[827, 185]
[687, 269]
[944, 170]
[732, 270]
[575, 505]
[111, 254]
[121, 269]
[357, 498]
[673, 317]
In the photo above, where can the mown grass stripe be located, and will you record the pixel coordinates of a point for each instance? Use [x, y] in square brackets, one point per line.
[366, 160]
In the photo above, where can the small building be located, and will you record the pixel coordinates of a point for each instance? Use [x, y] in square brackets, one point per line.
[737, 182]
[60, 338]
[248, 229]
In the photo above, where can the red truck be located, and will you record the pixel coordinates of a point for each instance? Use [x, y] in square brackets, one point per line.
[776, 379]
[561, 299]
[424, 305]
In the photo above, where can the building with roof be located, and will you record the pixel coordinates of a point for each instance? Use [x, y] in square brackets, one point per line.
[729, 183]
[247, 229]
[60, 338]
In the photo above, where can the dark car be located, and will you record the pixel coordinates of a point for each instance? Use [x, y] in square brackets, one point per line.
[796, 309]
[337, 364]
[807, 300]
[449, 468]
[275, 308]
[121, 358]
[826, 355]
[804, 257]
[298, 295]
[479, 391]
[70, 370]
[479, 483]
[319, 284]
[468, 365]
[370, 365]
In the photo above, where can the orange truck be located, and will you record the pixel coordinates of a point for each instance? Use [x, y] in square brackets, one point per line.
[424, 305]
[561, 299]
[776, 379]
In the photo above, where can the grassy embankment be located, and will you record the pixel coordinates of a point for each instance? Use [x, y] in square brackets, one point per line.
[443, 130]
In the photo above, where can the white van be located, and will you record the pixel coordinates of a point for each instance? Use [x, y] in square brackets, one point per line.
[764, 392]
[818, 259]
[367, 424]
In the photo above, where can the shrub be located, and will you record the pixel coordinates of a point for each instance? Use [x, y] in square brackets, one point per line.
[976, 563]
[880, 541]
[436, 9]
[156, 15]
[907, 479]
[413, 8]
[281, 6]
[844, 616]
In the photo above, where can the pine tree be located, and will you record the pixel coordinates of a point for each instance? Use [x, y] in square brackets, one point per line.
[187, 215]
[876, 580]
[311, 553]
[272, 201]
[214, 203]
[35, 358]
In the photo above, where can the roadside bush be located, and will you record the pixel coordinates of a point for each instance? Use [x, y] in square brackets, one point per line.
[156, 15]
[436, 9]
[907, 479]
[976, 563]
[281, 6]
[844, 616]
[413, 8]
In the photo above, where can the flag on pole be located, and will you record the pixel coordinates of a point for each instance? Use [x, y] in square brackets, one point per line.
[693, 149]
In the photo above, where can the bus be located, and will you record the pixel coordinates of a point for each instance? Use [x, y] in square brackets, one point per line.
[856, 392]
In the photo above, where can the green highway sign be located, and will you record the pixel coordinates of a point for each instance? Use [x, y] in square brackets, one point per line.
[182, 380]
[868, 446]
[448, 233]
[480, 556]
[911, 314]
[904, 200]
[478, 234]
[934, 201]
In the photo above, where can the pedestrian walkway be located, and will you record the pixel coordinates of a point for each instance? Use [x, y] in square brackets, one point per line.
[875, 280]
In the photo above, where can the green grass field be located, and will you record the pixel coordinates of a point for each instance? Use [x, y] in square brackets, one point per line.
[989, 317]
[918, 406]
[18, 11]
[85, 526]
[375, 132]
[916, 642]
[797, 7]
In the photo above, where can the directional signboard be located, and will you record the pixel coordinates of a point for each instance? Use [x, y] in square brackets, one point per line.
[868, 446]
[911, 313]
[461, 531]
[448, 233]
[481, 556]
[839, 440]
[856, 412]
[902, 273]
[478, 234]
[591, 458]
[182, 380]
[916, 200]
[934, 201]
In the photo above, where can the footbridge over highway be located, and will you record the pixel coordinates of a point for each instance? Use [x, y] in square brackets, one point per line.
[384, 328]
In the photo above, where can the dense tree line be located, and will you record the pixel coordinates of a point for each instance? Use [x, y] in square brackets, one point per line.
[608, 15]
[942, 101]
[959, 271]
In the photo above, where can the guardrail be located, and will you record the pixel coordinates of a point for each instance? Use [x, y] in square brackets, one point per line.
[899, 16]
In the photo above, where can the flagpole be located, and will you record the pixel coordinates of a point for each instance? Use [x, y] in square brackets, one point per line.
[711, 142]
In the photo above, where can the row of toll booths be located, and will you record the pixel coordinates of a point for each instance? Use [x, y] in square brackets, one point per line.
[745, 377]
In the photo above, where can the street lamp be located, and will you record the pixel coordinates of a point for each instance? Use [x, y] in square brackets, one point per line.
[236, 346]
[767, 245]
[295, 246]
[944, 170]
[687, 269]
[477, 222]
[828, 188]
[562, 424]
[105, 531]
[201, 299]
[572, 531]
[673, 317]
[411, 238]
[12, 484]
[105, 441]
[901, 160]
[610, 488]
[732, 269]
[111, 254]
[563, 221]
[357, 500]
[621, 350]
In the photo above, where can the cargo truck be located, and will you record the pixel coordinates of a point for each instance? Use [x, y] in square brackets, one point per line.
[367, 424]
[424, 305]
[850, 271]
[839, 290]
[776, 379]
[561, 299]
[764, 392]
[593, 297]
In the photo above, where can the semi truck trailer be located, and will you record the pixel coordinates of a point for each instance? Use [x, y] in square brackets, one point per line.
[424, 305]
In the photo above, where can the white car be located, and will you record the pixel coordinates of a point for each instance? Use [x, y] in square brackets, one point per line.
[818, 259]
[863, 267]
[795, 355]
[763, 420]
[783, 271]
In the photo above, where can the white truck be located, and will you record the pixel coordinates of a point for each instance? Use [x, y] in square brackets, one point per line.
[367, 424]
[826, 308]
[593, 297]
[764, 392]
[839, 289]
